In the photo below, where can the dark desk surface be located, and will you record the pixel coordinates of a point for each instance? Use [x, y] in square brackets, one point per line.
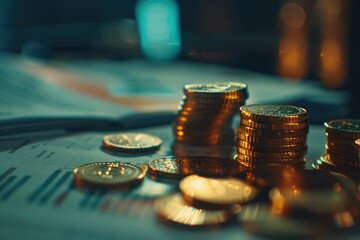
[38, 200]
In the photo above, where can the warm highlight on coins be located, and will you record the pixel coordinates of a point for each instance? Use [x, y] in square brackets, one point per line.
[342, 148]
[272, 134]
[206, 112]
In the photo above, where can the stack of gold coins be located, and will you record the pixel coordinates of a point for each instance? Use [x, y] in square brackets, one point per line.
[342, 148]
[205, 115]
[271, 134]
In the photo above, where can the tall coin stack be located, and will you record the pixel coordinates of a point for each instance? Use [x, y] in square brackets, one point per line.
[206, 112]
[272, 134]
[342, 147]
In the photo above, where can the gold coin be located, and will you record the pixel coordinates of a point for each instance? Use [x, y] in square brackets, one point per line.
[274, 126]
[344, 127]
[270, 148]
[324, 163]
[342, 149]
[290, 154]
[204, 90]
[216, 192]
[336, 160]
[344, 155]
[174, 209]
[273, 113]
[341, 141]
[270, 133]
[133, 142]
[249, 161]
[313, 193]
[178, 167]
[271, 140]
[108, 175]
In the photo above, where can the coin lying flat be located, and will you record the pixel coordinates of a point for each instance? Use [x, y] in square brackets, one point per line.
[175, 210]
[134, 142]
[108, 175]
[216, 192]
[178, 167]
[273, 113]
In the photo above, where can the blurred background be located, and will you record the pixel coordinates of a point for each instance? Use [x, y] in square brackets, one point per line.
[305, 40]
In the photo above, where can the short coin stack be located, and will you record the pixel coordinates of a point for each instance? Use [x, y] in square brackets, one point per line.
[272, 134]
[206, 112]
[342, 148]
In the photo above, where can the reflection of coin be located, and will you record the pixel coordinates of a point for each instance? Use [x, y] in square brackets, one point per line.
[273, 113]
[174, 209]
[178, 167]
[132, 141]
[216, 192]
[108, 174]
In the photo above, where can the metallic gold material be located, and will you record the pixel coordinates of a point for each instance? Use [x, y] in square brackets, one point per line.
[174, 209]
[275, 126]
[272, 155]
[133, 142]
[271, 140]
[343, 126]
[270, 148]
[178, 167]
[274, 113]
[206, 112]
[108, 175]
[216, 192]
[268, 133]
[249, 161]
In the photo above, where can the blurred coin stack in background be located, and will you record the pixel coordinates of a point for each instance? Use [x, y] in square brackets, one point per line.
[206, 112]
[272, 134]
[342, 148]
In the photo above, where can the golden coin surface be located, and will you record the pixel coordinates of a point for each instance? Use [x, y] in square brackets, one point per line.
[260, 154]
[216, 191]
[214, 88]
[271, 140]
[108, 174]
[347, 127]
[325, 164]
[174, 209]
[132, 141]
[270, 148]
[273, 113]
[178, 167]
[272, 133]
[255, 161]
[274, 126]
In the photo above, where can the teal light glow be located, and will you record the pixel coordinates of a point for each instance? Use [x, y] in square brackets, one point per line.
[159, 29]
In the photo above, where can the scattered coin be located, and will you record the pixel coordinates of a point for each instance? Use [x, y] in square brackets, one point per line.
[108, 175]
[174, 209]
[133, 142]
[216, 193]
